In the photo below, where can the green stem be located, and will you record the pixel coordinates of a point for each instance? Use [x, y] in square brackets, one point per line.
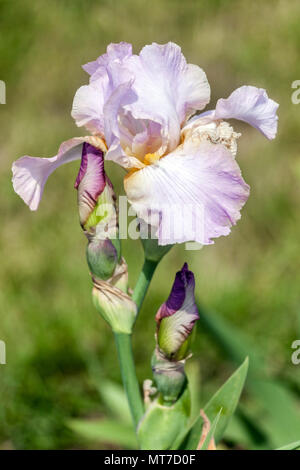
[143, 282]
[130, 382]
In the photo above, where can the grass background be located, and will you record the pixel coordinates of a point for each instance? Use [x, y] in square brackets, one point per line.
[54, 337]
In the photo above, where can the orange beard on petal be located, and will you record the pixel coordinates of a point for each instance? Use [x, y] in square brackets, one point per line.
[149, 159]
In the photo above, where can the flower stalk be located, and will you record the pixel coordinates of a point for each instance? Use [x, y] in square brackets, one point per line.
[130, 381]
[143, 282]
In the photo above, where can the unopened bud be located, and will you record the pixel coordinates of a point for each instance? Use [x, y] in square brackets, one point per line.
[115, 305]
[98, 214]
[177, 316]
[103, 257]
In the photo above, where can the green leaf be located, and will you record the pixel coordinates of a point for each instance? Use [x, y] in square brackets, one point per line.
[244, 429]
[276, 402]
[192, 371]
[225, 401]
[105, 431]
[236, 344]
[291, 446]
[227, 398]
[114, 397]
[211, 432]
[280, 410]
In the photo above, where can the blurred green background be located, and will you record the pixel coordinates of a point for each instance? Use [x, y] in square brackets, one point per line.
[58, 349]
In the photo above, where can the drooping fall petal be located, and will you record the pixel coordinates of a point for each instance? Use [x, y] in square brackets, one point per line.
[193, 194]
[31, 173]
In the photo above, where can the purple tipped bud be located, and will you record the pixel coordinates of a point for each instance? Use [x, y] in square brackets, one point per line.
[98, 214]
[90, 181]
[176, 317]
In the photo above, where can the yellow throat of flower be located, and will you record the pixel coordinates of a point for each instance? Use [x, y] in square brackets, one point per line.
[150, 158]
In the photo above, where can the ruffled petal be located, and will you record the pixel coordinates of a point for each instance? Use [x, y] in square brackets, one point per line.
[184, 85]
[123, 94]
[168, 90]
[88, 103]
[193, 194]
[31, 173]
[252, 105]
[89, 100]
[115, 52]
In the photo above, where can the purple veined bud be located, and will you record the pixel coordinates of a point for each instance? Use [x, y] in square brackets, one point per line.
[99, 220]
[112, 301]
[98, 213]
[177, 316]
[96, 198]
[175, 321]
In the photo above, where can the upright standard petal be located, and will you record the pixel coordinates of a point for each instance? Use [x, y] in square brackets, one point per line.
[88, 104]
[168, 90]
[193, 194]
[114, 52]
[31, 173]
[252, 105]
[89, 100]
[176, 317]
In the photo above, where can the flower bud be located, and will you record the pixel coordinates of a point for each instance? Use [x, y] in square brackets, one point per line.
[113, 303]
[98, 214]
[99, 220]
[176, 317]
[102, 257]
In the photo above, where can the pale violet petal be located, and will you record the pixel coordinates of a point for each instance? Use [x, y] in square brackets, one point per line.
[31, 173]
[252, 105]
[115, 52]
[88, 103]
[193, 194]
[89, 100]
[168, 90]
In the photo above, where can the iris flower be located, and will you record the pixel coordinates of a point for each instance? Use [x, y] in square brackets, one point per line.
[182, 177]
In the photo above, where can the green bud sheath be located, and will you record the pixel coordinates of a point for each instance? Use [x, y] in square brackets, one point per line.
[169, 377]
[161, 424]
[115, 306]
[103, 257]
